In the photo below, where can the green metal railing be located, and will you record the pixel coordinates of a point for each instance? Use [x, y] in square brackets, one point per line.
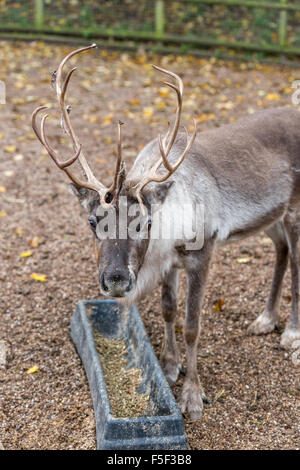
[160, 31]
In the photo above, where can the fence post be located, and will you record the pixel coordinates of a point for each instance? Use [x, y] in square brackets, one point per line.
[282, 25]
[39, 14]
[159, 17]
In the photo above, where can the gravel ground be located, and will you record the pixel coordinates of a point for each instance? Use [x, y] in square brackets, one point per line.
[252, 383]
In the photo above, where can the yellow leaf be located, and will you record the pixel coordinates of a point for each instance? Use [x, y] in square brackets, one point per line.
[34, 242]
[219, 305]
[244, 260]
[100, 160]
[94, 118]
[19, 231]
[134, 102]
[2, 214]
[107, 120]
[1, 136]
[2, 189]
[38, 277]
[32, 370]
[10, 148]
[164, 91]
[272, 97]
[148, 112]
[25, 254]
[161, 105]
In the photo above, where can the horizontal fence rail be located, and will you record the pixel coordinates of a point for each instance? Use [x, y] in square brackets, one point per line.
[158, 27]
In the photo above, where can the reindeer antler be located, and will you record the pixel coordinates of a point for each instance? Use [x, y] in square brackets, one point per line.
[107, 195]
[168, 141]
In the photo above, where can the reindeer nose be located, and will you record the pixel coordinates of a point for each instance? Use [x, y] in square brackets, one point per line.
[115, 284]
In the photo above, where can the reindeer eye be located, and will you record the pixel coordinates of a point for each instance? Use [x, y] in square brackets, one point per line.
[92, 222]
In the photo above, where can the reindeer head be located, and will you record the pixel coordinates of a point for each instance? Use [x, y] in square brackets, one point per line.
[119, 215]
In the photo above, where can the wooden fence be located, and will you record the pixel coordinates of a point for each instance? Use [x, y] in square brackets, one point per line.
[159, 32]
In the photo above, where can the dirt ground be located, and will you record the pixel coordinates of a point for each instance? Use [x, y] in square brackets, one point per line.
[252, 383]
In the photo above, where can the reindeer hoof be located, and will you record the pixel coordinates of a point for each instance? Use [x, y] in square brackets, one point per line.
[191, 402]
[262, 325]
[289, 336]
[171, 370]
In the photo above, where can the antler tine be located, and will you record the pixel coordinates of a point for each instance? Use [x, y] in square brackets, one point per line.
[61, 89]
[92, 182]
[169, 140]
[114, 185]
[42, 138]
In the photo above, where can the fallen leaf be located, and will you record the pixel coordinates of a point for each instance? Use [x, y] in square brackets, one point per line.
[147, 112]
[2, 189]
[32, 370]
[19, 231]
[10, 148]
[34, 242]
[134, 102]
[219, 305]
[244, 260]
[107, 120]
[3, 213]
[164, 92]
[25, 254]
[272, 97]
[38, 277]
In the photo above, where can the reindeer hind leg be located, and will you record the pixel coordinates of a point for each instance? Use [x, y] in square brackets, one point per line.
[268, 320]
[292, 230]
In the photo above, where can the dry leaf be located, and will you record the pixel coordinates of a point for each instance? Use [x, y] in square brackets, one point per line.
[3, 213]
[134, 102]
[107, 120]
[10, 148]
[148, 112]
[19, 231]
[164, 92]
[272, 97]
[25, 254]
[38, 277]
[32, 370]
[34, 242]
[219, 305]
[244, 260]
[2, 189]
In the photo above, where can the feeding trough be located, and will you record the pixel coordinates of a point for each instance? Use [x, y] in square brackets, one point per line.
[160, 424]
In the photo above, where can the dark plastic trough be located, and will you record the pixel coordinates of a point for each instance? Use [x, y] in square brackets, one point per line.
[162, 428]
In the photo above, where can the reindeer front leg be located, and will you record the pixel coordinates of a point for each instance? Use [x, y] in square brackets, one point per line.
[170, 359]
[197, 266]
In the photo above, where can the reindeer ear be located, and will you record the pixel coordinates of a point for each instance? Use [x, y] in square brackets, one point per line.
[162, 189]
[86, 197]
[157, 193]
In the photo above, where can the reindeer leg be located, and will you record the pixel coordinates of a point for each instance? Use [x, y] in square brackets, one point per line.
[292, 230]
[197, 266]
[267, 321]
[170, 358]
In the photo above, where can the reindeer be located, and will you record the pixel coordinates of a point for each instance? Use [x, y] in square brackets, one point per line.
[246, 176]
